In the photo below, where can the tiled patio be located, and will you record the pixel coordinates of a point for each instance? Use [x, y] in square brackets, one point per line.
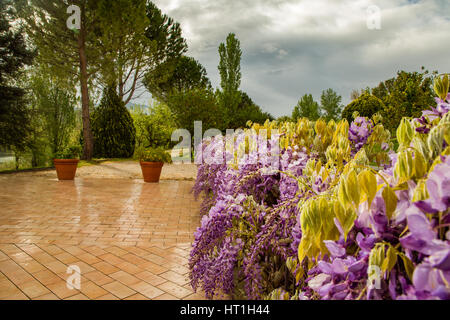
[130, 239]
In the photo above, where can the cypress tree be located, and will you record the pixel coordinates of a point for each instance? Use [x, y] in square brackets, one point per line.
[112, 127]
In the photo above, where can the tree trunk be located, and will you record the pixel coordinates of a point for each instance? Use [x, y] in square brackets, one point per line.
[17, 161]
[88, 147]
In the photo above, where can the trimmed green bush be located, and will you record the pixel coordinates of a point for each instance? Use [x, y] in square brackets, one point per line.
[71, 152]
[155, 155]
[112, 127]
[366, 105]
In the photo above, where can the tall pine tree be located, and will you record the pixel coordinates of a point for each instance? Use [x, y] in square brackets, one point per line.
[14, 55]
[69, 53]
[177, 76]
[135, 38]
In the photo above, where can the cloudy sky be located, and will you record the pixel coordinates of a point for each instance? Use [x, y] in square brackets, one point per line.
[293, 47]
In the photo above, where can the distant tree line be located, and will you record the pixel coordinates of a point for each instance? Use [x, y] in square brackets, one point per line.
[405, 95]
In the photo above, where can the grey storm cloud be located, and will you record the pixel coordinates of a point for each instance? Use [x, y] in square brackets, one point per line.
[305, 46]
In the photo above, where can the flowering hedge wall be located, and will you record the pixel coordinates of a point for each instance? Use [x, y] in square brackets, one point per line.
[343, 215]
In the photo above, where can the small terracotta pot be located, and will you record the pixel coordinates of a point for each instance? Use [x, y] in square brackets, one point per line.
[151, 170]
[66, 168]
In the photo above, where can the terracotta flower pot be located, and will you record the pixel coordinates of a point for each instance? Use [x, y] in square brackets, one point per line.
[151, 170]
[66, 168]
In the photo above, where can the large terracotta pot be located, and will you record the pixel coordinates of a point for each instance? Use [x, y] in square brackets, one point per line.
[66, 168]
[151, 170]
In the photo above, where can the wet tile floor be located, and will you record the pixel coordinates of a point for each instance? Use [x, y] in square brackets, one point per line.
[129, 239]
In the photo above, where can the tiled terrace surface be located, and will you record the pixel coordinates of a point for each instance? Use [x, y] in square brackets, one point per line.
[130, 239]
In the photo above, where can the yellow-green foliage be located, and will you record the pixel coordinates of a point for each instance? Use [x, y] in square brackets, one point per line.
[356, 183]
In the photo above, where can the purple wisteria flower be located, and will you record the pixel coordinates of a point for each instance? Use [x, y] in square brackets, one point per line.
[438, 186]
[360, 130]
[251, 225]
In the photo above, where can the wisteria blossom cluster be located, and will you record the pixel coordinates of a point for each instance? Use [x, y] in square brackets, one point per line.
[343, 216]
[359, 132]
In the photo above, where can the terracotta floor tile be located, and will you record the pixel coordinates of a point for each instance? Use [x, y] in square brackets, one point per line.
[103, 226]
[84, 267]
[98, 277]
[134, 259]
[108, 296]
[43, 258]
[119, 290]
[33, 288]
[60, 289]
[91, 290]
[66, 258]
[9, 248]
[151, 278]
[3, 256]
[14, 272]
[105, 267]
[8, 289]
[178, 268]
[153, 267]
[88, 258]
[95, 250]
[48, 296]
[129, 267]
[79, 296]
[140, 252]
[175, 277]
[175, 289]
[56, 266]
[166, 296]
[137, 296]
[73, 250]
[32, 266]
[17, 296]
[116, 251]
[53, 250]
[195, 296]
[21, 257]
[156, 259]
[111, 259]
[46, 277]
[177, 259]
[158, 251]
[124, 277]
[147, 289]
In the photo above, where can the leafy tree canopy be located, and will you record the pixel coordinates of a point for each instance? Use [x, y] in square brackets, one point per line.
[406, 95]
[246, 111]
[196, 105]
[306, 108]
[331, 105]
[54, 105]
[136, 39]
[178, 75]
[14, 56]
[366, 105]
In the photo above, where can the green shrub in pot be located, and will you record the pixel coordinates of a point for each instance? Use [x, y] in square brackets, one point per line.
[155, 155]
[71, 152]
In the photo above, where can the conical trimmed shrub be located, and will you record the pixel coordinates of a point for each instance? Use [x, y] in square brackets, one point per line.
[112, 127]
